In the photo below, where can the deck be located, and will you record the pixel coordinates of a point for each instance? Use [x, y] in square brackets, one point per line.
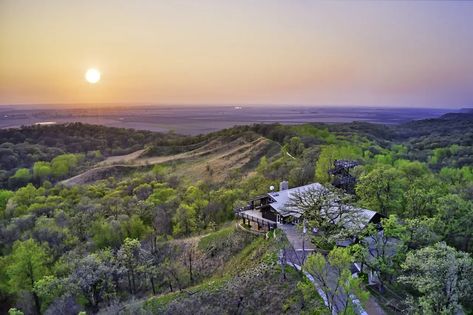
[254, 216]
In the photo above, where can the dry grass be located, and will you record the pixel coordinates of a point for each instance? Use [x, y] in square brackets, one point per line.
[212, 161]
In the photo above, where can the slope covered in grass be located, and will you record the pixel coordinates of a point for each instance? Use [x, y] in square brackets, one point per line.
[251, 282]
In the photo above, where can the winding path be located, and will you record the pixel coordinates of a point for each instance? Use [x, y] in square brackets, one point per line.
[300, 249]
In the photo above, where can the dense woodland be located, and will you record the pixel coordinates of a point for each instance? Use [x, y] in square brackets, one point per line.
[139, 241]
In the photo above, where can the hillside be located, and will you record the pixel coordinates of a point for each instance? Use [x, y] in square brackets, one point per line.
[247, 277]
[217, 157]
[114, 220]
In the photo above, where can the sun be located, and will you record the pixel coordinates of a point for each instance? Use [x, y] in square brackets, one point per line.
[92, 75]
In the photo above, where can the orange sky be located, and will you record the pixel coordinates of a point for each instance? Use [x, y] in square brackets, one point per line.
[227, 52]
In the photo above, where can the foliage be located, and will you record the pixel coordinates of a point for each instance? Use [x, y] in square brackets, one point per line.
[381, 190]
[295, 146]
[21, 177]
[48, 289]
[441, 277]
[383, 251]
[5, 195]
[454, 221]
[28, 264]
[132, 225]
[334, 278]
[249, 278]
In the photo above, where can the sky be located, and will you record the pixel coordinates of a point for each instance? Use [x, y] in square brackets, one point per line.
[304, 52]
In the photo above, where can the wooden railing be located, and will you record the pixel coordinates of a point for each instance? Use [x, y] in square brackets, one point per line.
[260, 221]
[238, 210]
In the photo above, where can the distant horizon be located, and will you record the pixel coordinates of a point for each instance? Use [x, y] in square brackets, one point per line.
[184, 105]
[394, 53]
[194, 120]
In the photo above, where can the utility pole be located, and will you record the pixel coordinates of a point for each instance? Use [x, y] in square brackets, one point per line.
[304, 231]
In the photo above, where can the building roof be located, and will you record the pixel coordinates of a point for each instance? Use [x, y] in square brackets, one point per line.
[356, 218]
[282, 198]
[352, 217]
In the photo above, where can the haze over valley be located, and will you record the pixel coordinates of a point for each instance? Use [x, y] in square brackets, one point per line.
[193, 120]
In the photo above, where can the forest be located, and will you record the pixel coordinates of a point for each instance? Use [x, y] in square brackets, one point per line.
[160, 236]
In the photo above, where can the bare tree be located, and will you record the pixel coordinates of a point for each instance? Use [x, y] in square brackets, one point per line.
[328, 211]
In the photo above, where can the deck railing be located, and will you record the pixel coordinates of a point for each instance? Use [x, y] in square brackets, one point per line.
[248, 207]
[260, 221]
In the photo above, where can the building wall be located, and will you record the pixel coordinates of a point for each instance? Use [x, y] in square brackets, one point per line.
[268, 214]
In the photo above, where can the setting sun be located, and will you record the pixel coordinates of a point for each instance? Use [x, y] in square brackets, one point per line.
[92, 76]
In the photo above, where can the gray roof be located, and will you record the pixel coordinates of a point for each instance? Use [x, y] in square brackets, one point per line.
[281, 198]
[356, 218]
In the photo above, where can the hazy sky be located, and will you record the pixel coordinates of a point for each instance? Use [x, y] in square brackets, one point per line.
[238, 52]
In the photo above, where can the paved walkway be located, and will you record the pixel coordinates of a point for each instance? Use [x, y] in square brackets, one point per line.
[301, 247]
[296, 238]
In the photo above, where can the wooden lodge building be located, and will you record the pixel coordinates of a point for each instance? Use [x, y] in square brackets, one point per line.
[267, 212]
[273, 207]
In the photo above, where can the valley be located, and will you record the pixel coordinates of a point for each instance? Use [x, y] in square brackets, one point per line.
[150, 217]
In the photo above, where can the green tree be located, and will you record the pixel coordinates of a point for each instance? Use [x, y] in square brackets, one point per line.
[311, 301]
[257, 184]
[295, 146]
[334, 278]
[422, 231]
[386, 159]
[262, 165]
[48, 289]
[454, 217]
[383, 251]
[421, 196]
[28, 264]
[106, 234]
[411, 170]
[185, 220]
[135, 228]
[22, 176]
[5, 195]
[161, 194]
[228, 198]
[24, 197]
[381, 190]
[42, 170]
[130, 255]
[441, 276]
[62, 164]
[197, 199]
